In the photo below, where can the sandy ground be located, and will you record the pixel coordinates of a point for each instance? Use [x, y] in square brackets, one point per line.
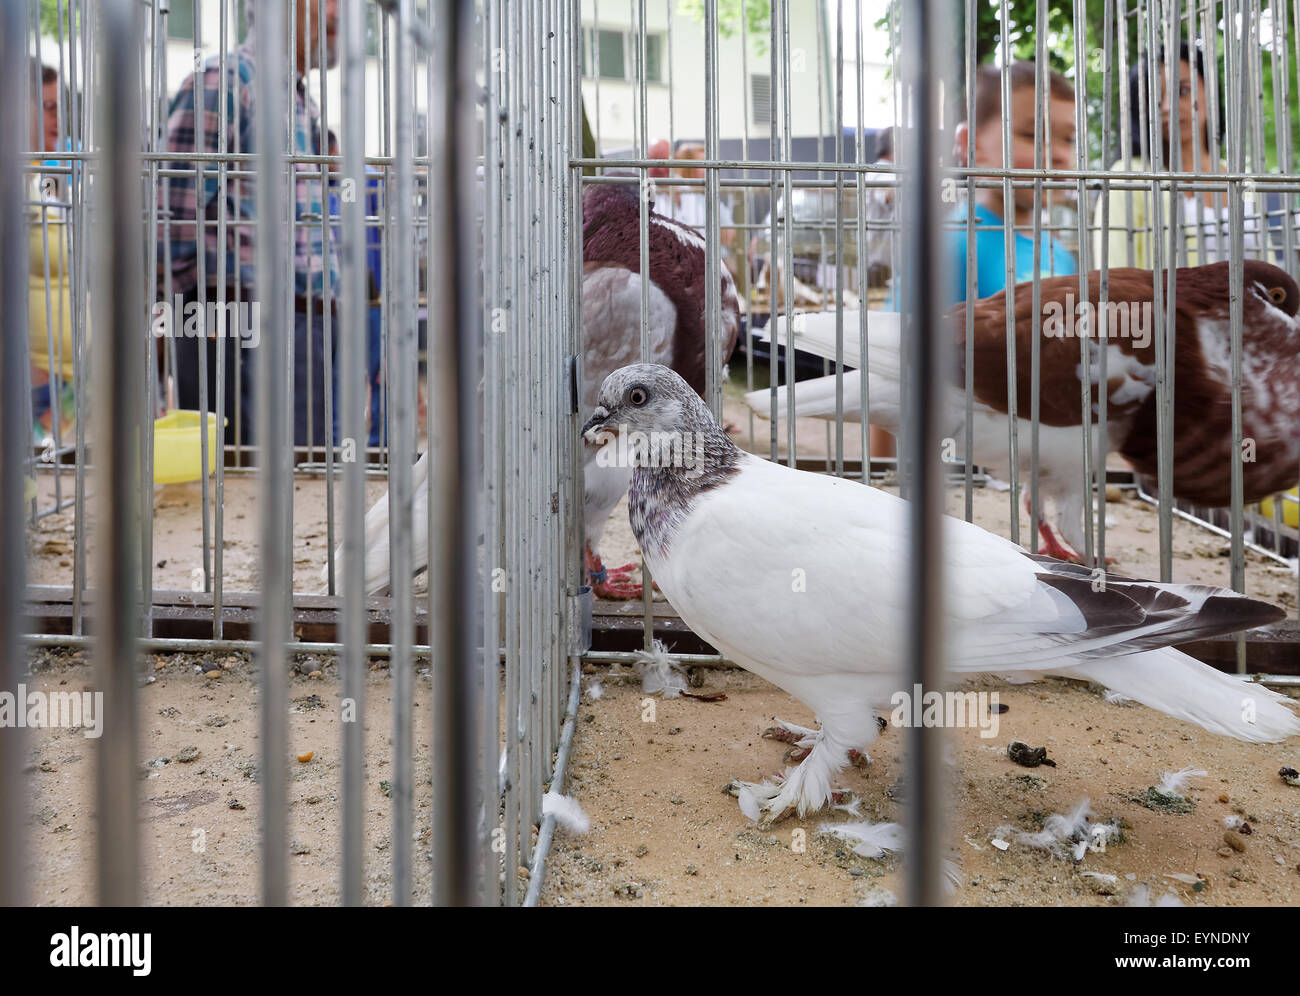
[178, 535]
[662, 830]
[664, 833]
[200, 791]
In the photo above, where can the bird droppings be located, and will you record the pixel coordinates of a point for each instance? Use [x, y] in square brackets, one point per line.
[1029, 783]
[1290, 776]
[1100, 883]
[1152, 798]
[1028, 757]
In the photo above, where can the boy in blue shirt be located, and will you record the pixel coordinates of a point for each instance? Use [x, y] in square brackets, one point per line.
[990, 210]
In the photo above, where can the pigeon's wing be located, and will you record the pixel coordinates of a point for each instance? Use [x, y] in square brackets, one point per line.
[1057, 324]
[611, 324]
[802, 578]
[810, 572]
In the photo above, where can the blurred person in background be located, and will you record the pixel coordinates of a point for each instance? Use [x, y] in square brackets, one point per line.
[1202, 217]
[990, 250]
[314, 266]
[689, 204]
[49, 305]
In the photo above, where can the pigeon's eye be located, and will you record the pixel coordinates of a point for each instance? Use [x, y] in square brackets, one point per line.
[637, 396]
[1277, 294]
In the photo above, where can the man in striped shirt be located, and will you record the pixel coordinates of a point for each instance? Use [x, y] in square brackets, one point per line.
[214, 112]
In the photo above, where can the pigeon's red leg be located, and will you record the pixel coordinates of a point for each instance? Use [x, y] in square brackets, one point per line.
[610, 584]
[800, 739]
[1053, 547]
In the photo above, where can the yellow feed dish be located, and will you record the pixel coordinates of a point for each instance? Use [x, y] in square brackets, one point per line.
[177, 451]
[1290, 510]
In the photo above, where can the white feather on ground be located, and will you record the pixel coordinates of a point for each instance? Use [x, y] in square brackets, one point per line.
[1069, 833]
[869, 840]
[566, 811]
[1172, 783]
[659, 673]
[874, 840]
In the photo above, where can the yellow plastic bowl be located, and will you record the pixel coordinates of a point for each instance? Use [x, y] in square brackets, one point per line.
[1290, 510]
[177, 449]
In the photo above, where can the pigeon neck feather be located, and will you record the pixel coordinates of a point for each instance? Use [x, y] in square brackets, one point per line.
[660, 497]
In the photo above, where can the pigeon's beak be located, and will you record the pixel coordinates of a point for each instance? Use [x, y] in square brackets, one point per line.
[590, 431]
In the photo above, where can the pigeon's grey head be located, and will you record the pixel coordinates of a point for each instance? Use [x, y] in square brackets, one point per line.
[647, 397]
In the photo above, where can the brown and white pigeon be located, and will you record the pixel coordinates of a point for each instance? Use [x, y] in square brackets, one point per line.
[611, 322]
[611, 327]
[725, 532]
[1202, 431]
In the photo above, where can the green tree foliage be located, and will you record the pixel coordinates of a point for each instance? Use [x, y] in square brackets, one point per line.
[50, 18]
[1059, 16]
[754, 15]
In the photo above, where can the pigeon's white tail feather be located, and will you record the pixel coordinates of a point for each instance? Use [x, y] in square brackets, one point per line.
[376, 557]
[816, 399]
[815, 333]
[1181, 686]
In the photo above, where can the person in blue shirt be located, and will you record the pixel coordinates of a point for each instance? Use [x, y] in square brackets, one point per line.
[990, 210]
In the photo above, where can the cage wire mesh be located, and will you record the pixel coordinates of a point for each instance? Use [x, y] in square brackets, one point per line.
[355, 163]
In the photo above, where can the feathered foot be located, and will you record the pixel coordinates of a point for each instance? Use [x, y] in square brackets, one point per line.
[611, 583]
[803, 789]
[837, 798]
[802, 740]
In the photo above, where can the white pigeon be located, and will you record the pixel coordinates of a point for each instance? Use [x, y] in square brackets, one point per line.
[801, 578]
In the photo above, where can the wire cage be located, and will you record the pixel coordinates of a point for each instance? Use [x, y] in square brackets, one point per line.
[368, 358]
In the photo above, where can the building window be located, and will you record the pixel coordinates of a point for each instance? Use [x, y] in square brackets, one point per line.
[180, 22]
[610, 55]
[760, 99]
[616, 55]
[654, 71]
